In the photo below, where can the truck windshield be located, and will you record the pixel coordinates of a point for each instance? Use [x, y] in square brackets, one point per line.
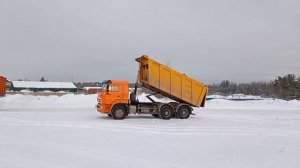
[104, 87]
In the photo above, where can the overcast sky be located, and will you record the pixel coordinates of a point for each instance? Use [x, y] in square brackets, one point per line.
[93, 40]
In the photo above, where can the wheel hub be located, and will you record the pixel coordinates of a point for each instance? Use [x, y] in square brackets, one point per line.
[119, 113]
[184, 112]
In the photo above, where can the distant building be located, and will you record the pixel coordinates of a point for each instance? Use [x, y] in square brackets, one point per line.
[43, 86]
[92, 90]
[3, 82]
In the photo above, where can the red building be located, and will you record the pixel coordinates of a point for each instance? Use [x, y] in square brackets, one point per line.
[3, 81]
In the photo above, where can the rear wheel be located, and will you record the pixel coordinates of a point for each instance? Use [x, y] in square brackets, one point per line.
[184, 112]
[119, 112]
[166, 112]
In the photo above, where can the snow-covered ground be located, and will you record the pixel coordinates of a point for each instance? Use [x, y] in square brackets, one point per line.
[67, 131]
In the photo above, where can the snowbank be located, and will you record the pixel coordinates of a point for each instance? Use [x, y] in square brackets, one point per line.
[53, 102]
[35, 84]
[271, 104]
[89, 101]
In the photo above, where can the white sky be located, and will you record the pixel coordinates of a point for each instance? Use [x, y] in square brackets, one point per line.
[94, 40]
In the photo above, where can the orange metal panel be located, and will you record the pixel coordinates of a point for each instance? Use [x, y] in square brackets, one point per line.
[176, 87]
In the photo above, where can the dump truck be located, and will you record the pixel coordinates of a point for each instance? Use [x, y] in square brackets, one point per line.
[3, 81]
[115, 100]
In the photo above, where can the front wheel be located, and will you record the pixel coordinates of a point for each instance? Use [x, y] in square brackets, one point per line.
[119, 112]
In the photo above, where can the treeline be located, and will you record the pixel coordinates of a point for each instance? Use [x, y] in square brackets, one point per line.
[286, 87]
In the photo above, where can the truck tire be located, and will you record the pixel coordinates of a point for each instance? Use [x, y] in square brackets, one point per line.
[183, 112]
[166, 112]
[119, 112]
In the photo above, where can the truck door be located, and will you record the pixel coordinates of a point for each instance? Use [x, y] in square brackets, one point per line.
[114, 93]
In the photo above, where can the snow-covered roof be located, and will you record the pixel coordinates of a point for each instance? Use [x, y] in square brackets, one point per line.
[32, 84]
[87, 88]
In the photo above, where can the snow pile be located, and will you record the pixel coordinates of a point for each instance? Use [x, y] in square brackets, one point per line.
[215, 97]
[32, 84]
[89, 101]
[52, 102]
[253, 104]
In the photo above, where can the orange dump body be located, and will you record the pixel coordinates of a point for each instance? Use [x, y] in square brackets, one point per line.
[170, 83]
[113, 92]
[3, 81]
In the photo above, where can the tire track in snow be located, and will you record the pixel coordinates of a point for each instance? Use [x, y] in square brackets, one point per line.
[156, 129]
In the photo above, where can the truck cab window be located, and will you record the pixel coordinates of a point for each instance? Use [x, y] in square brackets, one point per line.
[113, 88]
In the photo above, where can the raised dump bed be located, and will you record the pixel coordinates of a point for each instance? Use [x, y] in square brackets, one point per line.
[171, 83]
